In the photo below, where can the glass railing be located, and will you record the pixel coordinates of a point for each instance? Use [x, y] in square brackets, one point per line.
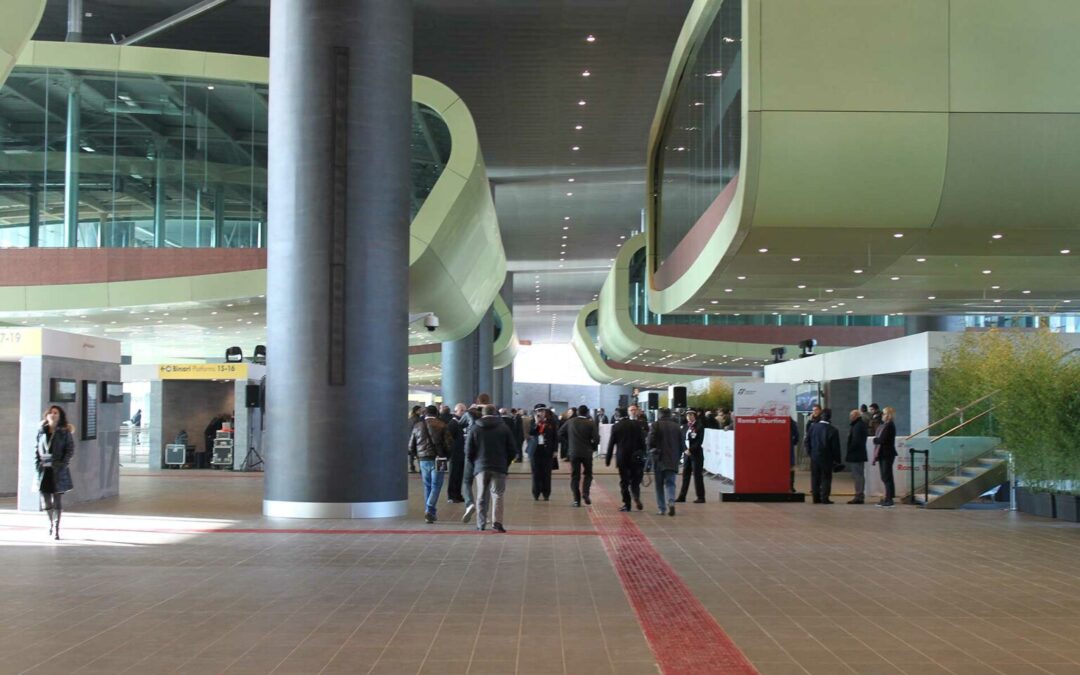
[159, 161]
[701, 142]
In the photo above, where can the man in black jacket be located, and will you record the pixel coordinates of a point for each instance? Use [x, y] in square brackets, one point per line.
[457, 456]
[580, 437]
[665, 443]
[824, 443]
[693, 458]
[856, 455]
[431, 442]
[627, 436]
[489, 448]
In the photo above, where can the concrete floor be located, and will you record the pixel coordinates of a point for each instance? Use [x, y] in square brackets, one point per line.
[182, 574]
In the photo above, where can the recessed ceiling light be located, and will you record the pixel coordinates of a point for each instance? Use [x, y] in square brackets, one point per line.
[763, 250]
[1066, 301]
[565, 236]
[590, 38]
[920, 259]
[931, 297]
[213, 313]
[801, 286]
[585, 73]
[828, 290]
[859, 297]
[995, 287]
[996, 236]
[796, 259]
[569, 194]
[741, 278]
[566, 217]
[578, 127]
[566, 227]
[899, 235]
[895, 278]
[729, 290]
[575, 148]
[811, 300]
[857, 271]
[581, 102]
[715, 302]
[997, 300]
[1065, 251]
[1025, 292]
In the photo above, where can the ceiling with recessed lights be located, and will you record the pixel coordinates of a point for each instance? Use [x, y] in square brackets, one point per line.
[537, 88]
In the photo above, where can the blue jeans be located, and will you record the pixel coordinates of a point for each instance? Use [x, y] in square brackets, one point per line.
[665, 482]
[433, 481]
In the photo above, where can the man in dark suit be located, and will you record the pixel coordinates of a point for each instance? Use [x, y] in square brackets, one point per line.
[824, 444]
[580, 437]
[628, 437]
[856, 455]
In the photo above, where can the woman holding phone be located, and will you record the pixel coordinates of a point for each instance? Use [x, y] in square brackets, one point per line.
[54, 447]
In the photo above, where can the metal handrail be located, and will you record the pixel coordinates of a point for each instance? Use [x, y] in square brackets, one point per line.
[952, 414]
[935, 439]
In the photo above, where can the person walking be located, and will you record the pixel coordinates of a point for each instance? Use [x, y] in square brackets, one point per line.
[544, 441]
[626, 435]
[414, 417]
[457, 455]
[55, 446]
[489, 448]
[666, 446]
[693, 458]
[855, 457]
[885, 453]
[469, 417]
[431, 444]
[581, 438]
[824, 444]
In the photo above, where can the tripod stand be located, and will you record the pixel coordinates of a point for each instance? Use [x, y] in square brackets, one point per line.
[253, 460]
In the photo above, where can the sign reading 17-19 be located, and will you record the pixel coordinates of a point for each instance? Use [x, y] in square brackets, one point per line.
[203, 371]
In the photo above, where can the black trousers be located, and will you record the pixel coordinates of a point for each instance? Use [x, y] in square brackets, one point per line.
[541, 471]
[630, 474]
[820, 480]
[885, 467]
[580, 485]
[457, 473]
[694, 463]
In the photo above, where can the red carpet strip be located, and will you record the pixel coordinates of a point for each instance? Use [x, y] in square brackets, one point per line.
[684, 637]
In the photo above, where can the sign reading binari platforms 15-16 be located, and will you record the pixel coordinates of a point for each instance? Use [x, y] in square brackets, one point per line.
[203, 371]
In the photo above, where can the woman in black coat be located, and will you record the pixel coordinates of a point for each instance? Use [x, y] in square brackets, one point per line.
[54, 448]
[885, 453]
[546, 432]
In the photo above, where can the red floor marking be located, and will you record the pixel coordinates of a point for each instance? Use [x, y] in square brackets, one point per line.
[270, 530]
[684, 637]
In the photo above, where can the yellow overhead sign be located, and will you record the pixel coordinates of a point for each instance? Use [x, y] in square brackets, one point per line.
[203, 371]
[20, 342]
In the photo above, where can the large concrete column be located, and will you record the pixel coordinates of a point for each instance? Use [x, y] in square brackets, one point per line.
[337, 267]
[459, 376]
[503, 383]
[485, 353]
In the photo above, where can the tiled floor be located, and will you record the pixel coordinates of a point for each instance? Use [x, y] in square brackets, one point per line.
[183, 574]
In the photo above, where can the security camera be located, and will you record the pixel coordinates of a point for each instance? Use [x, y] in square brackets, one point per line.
[431, 322]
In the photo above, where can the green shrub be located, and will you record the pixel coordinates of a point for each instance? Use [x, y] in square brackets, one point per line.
[1036, 390]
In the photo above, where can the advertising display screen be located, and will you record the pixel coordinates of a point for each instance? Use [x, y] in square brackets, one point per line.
[806, 395]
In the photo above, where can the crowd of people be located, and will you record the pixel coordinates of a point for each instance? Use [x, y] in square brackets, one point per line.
[471, 448]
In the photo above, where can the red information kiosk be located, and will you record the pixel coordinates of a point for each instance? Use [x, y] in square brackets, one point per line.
[762, 470]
